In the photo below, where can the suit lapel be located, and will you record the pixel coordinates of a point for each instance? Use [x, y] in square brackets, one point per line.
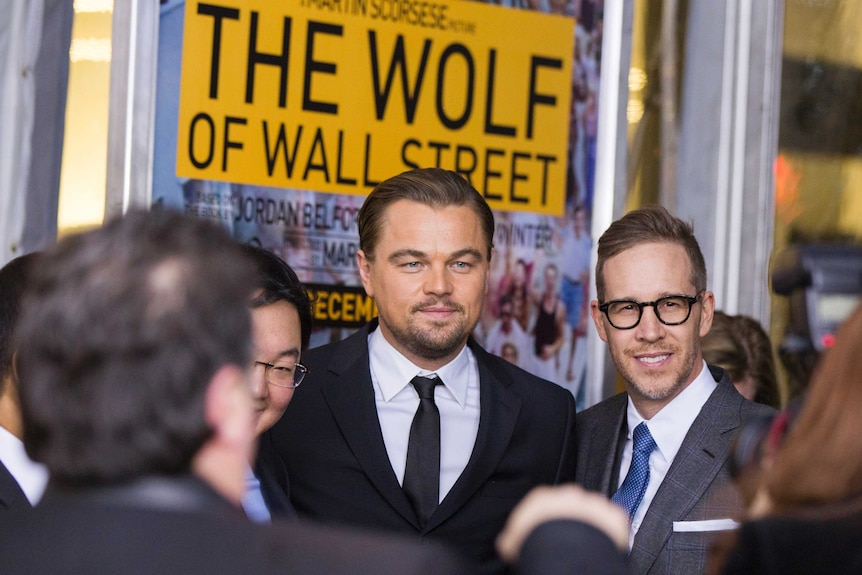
[499, 409]
[602, 472]
[701, 457]
[11, 495]
[350, 396]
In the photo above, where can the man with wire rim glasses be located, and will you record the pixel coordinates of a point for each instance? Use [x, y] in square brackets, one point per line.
[281, 328]
[660, 449]
[288, 376]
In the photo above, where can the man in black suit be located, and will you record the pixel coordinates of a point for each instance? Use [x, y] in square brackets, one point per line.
[348, 435]
[662, 447]
[22, 481]
[281, 328]
[133, 354]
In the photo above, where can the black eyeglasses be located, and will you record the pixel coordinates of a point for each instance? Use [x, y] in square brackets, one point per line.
[283, 375]
[670, 310]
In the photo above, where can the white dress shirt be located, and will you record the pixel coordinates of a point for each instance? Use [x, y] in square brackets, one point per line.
[32, 477]
[396, 399]
[668, 428]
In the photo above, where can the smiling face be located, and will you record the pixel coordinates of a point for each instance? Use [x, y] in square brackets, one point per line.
[277, 340]
[657, 361]
[429, 276]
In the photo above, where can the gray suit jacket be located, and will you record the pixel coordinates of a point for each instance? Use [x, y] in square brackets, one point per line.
[697, 486]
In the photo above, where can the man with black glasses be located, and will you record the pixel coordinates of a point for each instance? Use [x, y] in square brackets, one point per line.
[660, 449]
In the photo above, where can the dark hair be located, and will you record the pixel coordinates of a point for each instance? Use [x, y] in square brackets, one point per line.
[650, 224]
[120, 336]
[739, 344]
[433, 187]
[276, 281]
[13, 279]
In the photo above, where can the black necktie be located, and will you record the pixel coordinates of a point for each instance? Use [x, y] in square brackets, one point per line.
[422, 473]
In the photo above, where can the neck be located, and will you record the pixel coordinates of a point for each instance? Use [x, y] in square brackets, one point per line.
[10, 410]
[647, 408]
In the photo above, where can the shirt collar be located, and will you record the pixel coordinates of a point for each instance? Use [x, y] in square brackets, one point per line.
[393, 372]
[677, 415]
[31, 476]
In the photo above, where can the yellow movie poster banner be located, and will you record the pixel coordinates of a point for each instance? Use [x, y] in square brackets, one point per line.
[338, 95]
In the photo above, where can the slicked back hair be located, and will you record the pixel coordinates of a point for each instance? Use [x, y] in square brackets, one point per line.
[434, 187]
[650, 224]
[276, 281]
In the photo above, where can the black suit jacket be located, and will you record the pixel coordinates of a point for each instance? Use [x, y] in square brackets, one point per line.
[332, 444]
[11, 495]
[181, 526]
[697, 486]
[567, 547]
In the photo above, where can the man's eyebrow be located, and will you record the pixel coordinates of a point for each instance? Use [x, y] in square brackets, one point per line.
[467, 252]
[405, 253]
[292, 352]
[418, 254]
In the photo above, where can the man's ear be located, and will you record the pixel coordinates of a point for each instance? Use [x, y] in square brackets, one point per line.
[364, 265]
[707, 304]
[598, 320]
[227, 405]
[222, 459]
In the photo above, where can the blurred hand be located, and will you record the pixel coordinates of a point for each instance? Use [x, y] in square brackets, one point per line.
[569, 501]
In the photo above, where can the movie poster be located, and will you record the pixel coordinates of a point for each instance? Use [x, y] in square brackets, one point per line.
[285, 115]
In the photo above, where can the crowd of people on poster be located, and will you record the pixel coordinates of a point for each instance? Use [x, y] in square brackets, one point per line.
[537, 309]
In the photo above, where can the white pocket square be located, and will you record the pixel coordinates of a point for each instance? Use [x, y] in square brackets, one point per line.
[707, 525]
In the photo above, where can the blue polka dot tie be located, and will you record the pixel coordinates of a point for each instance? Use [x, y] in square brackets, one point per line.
[631, 492]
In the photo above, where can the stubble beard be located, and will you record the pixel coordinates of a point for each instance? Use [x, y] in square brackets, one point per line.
[440, 340]
[661, 386]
